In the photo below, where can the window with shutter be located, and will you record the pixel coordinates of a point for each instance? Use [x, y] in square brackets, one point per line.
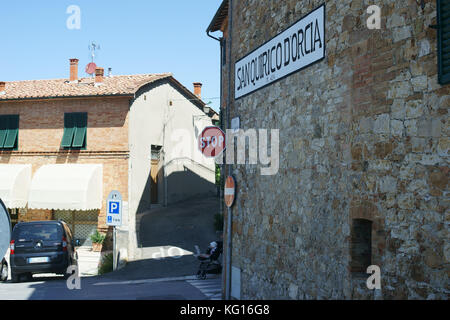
[3, 131]
[75, 128]
[443, 19]
[9, 132]
[69, 128]
[13, 132]
[80, 130]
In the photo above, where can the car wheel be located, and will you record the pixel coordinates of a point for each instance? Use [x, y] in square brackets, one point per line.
[4, 272]
[29, 277]
[65, 273]
[15, 278]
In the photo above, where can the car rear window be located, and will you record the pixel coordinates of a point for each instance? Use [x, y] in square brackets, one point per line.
[37, 232]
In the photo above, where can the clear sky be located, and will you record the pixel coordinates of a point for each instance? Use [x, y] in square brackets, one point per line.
[135, 36]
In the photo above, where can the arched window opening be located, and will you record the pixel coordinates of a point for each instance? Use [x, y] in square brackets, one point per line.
[361, 245]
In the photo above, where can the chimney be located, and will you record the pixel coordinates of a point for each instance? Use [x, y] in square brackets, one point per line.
[2, 87]
[73, 70]
[99, 73]
[198, 89]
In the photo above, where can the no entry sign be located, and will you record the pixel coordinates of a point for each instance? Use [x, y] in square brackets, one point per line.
[230, 191]
[211, 142]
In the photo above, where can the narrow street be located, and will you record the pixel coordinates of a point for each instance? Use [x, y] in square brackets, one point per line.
[94, 288]
[153, 276]
[168, 238]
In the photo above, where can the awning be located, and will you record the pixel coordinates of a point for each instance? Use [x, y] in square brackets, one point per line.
[15, 182]
[67, 187]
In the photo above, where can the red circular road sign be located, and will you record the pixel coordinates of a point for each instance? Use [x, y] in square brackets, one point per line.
[211, 142]
[230, 191]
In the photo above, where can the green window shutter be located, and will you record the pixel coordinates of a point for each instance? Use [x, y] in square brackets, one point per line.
[3, 130]
[69, 129]
[80, 130]
[13, 132]
[443, 18]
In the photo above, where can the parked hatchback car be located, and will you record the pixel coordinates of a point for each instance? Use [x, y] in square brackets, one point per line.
[40, 247]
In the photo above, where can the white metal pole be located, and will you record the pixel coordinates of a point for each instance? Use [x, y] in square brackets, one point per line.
[114, 249]
[228, 277]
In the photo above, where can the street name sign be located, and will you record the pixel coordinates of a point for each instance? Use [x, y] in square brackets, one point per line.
[294, 49]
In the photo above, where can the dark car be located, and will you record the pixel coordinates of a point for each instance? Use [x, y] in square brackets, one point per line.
[40, 247]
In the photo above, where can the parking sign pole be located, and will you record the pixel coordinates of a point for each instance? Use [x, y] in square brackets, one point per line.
[114, 249]
[114, 219]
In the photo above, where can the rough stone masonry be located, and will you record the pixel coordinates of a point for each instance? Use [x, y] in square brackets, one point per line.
[364, 134]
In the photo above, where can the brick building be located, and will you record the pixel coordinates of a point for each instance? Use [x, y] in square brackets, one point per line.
[364, 148]
[65, 144]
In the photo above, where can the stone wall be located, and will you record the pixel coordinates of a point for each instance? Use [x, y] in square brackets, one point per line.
[364, 134]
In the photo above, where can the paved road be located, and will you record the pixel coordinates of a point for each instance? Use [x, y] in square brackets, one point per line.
[182, 226]
[95, 288]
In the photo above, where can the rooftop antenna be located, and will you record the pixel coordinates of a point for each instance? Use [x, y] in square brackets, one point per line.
[90, 68]
[92, 48]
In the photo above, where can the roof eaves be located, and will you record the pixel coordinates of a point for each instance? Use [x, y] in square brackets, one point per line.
[144, 83]
[219, 17]
[199, 102]
[67, 97]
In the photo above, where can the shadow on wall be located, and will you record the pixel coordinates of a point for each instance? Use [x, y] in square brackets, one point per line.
[181, 186]
[5, 157]
[186, 184]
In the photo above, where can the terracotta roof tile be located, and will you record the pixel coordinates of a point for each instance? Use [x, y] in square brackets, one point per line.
[115, 85]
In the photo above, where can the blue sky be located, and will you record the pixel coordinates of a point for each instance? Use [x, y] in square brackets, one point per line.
[136, 36]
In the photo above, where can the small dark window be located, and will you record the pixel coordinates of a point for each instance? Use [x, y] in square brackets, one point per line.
[75, 130]
[9, 132]
[443, 20]
[223, 47]
[14, 214]
[361, 245]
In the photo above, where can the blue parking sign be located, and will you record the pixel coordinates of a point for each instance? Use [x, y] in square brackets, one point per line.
[114, 207]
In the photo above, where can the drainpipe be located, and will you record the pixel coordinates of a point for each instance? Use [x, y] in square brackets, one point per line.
[230, 212]
[165, 176]
[223, 166]
[228, 125]
[222, 126]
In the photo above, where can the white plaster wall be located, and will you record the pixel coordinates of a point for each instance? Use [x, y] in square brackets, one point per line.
[186, 172]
